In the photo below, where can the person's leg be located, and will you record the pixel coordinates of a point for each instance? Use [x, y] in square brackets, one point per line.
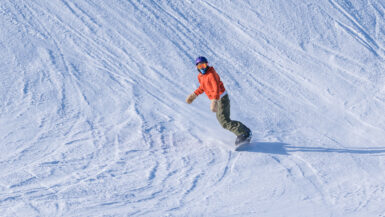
[223, 116]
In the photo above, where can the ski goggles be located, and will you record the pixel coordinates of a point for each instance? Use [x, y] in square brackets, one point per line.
[202, 65]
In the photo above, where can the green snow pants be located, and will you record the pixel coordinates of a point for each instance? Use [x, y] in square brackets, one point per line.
[223, 116]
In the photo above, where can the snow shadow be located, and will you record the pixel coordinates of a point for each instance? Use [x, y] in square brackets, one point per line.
[285, 149]
[336, 150]
[265, 147]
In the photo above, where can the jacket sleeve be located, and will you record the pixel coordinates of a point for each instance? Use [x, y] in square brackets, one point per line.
[199, 90]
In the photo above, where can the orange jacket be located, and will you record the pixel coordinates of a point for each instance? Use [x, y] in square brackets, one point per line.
[210, 83]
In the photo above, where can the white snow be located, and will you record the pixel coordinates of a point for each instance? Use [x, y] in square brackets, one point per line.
[93, 120]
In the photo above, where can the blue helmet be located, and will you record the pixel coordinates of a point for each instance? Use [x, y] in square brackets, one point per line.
[200, 59]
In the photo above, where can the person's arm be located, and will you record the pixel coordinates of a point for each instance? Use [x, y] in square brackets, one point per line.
[199, 90]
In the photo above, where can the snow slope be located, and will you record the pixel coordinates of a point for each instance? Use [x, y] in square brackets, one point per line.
[93, 120]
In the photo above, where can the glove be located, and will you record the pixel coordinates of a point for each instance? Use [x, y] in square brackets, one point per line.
[214, 105]
[191, 98]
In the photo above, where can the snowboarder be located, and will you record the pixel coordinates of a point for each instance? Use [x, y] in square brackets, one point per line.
[211, 84]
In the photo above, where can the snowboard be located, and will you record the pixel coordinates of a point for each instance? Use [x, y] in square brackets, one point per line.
[242, 145]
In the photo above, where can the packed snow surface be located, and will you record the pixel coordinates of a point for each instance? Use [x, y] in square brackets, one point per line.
[93, 119]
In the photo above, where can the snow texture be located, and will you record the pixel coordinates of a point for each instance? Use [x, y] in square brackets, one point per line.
[93, 120]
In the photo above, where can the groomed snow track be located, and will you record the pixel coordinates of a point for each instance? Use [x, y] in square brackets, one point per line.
[93, 120]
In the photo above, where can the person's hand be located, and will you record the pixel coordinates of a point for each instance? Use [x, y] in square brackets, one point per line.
[214, 105]
[191, 98]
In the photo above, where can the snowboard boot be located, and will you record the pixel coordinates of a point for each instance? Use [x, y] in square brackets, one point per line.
[244, 138]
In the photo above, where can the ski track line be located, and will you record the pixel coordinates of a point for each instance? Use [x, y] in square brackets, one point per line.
[181, 26]
[361, 35]
[341, 56]
[58, 202]
[294, 79]
[67, 69]
[168, 168]
[362, 190]
[208, 193]
[300, 167]
[83, 38]
[366, 37]
[61, 66]
[317, 183]
[380, 15]
[162, 157]
[355, 158]
[63, 90]
[290, 77]
[27, 95]
[301, 51]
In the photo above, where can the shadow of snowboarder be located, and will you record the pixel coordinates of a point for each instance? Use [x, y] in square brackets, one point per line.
[284, 149]
[265, 147]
